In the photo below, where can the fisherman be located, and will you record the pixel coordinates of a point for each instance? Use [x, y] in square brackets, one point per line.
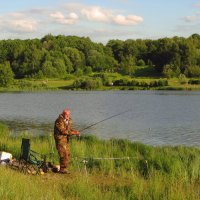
[62, 132]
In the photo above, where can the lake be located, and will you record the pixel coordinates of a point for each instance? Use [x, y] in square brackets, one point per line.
[152, 117]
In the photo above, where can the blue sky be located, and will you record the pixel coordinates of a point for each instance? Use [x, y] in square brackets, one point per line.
[100, 20]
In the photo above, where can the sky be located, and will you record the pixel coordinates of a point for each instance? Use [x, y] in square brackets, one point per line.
[101, 20]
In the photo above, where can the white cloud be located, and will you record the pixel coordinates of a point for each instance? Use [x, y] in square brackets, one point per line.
[190, 18]
[25, 25]
[37, 11]
[129, 20]
[187, 29]
[104, 15]
[96, 14]
[73, 16]
[197, 5]
[41, 21]
[17, 22]
[59, 17]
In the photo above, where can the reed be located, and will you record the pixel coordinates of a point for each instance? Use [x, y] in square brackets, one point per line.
[143, 172]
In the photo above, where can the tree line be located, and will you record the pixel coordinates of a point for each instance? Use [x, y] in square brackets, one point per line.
[58, 56]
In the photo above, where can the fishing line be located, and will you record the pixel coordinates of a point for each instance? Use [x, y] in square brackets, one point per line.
[105, 119]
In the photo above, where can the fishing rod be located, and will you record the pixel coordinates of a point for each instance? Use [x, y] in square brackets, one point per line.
[104, 120]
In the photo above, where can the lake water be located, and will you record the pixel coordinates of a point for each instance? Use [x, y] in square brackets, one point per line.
[154, 117]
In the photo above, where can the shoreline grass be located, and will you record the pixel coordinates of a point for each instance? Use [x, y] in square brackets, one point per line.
[147, 172]
[142, 83]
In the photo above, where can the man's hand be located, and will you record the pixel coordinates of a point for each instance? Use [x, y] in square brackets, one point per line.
[75, 132]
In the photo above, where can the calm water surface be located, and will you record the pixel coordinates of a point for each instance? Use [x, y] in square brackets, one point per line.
[154, 117]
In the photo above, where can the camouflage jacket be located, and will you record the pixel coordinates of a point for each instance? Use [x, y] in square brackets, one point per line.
[62, 129]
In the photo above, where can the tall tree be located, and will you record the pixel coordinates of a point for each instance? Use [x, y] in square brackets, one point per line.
[76, 57]
[6, 74]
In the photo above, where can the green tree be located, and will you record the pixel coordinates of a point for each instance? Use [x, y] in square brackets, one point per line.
[48, 70]
[182, 79]
[3, 52]
[88, 70]
[57, 63]
[186, 54]
[192, 71]
[117, 47]
[127, 66]
[6, 74]
[48, 42]
[96, 60]
[140, 62]
[78, 72]
[76, 57]
[171, 70]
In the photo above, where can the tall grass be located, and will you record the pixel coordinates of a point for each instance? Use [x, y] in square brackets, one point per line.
[143, 172]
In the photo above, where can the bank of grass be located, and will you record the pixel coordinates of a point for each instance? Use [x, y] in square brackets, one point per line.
[145, 78]
[143, 172]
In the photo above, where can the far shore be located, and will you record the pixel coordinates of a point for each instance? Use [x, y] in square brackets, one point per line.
[142, 83]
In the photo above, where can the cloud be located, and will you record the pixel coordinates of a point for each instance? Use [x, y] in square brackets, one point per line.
[37, 11]
[129, 20]
[41, 21]
[99, 14]
[192, 18]
[96, 14]
[17, 22]
[195, 17]
[197, 5]
[59, 17]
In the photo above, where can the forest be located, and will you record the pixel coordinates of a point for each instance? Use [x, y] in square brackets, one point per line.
[59, 56]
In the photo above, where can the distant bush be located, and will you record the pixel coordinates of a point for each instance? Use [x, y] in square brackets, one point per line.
[162, 82]
[24, 84]
[153, 84]
[133, 83]
[78, 83]
[88, 84]
[125, 82]
[121, 82]
[93, 84]
[182, 79]
[38, 75]
[192, 71]
[194, 81]
[69, 77]
[140, 62]
[170, 71]
[107, 81]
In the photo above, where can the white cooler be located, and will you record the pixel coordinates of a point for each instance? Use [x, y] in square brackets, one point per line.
[5, 155]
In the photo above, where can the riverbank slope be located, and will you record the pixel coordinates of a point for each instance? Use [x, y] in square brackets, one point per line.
[112, 169]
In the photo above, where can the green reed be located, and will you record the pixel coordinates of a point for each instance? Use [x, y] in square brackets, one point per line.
[142, 172]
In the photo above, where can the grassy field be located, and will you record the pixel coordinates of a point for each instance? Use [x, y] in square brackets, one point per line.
[142, 172]
[56, 84]
[144, 76]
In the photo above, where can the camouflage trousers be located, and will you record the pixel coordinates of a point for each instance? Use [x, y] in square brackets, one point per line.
[64, 153]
